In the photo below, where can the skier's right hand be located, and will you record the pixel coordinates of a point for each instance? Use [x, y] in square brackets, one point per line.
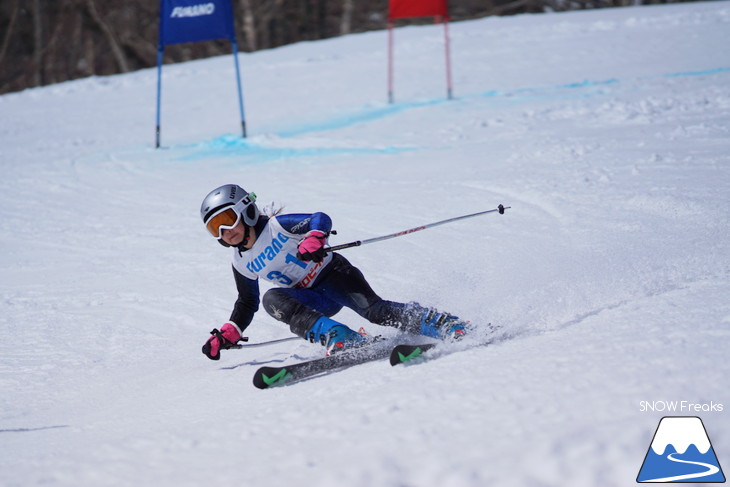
[312, 247]
[224, 339]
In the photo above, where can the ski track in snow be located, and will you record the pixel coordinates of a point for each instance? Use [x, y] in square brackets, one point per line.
[265, 149]
[607, 133]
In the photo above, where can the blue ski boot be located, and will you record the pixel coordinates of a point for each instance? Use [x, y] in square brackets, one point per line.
[443, 326]
[334, 335]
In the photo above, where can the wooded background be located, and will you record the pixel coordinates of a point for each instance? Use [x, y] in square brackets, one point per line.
[48, 41]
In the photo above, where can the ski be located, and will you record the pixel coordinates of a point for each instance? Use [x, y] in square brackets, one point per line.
[400, 353]
[266, 377]
[417, 352]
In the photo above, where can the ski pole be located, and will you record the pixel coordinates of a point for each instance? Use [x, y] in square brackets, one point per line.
[357, 243]
[263, 344]
[215, 332]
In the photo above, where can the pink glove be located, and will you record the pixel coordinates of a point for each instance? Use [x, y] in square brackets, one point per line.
[224, 339]
[312, 246]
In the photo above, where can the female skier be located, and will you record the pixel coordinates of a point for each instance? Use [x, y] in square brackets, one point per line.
[289, 251]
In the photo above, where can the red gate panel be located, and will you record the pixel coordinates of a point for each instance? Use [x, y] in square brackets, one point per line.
[400, 9]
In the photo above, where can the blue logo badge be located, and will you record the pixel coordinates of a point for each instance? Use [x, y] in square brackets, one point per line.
[681, 452]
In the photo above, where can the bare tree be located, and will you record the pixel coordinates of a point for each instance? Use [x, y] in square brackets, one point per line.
[249, 25]
[44, 41]
[9, 31]
[109, 34]
[257, 17]
[346, 22]
[37, 44]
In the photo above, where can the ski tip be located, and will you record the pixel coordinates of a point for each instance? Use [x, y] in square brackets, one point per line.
[267, 377]
[402, 354]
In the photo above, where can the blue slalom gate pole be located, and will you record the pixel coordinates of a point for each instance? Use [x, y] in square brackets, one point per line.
[234, 46]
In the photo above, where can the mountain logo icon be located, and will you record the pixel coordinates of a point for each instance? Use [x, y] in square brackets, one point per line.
[680, 452]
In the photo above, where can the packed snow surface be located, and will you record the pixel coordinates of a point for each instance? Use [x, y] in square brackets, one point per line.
[606, 131]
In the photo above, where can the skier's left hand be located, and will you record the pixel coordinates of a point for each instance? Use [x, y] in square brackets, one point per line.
[224, 339]
[312, 246]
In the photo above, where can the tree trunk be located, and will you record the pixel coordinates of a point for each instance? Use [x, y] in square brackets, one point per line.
[346, 21]
[265, 17]
[109, 34]
[9, 32]
[37, 44]
[249, 25]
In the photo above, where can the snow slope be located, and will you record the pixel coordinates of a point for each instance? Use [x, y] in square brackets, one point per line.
[607, 131]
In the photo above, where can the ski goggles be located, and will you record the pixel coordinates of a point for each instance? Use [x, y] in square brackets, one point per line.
[225, 219]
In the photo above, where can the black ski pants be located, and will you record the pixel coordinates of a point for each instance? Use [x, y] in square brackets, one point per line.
[340, 285]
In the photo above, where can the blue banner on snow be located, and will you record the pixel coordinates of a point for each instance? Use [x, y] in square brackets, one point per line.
[195, 20]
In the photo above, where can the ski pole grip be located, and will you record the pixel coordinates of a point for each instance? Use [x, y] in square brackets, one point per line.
[357, 243]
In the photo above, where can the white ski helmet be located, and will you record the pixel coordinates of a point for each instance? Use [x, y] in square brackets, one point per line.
[225, 206]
